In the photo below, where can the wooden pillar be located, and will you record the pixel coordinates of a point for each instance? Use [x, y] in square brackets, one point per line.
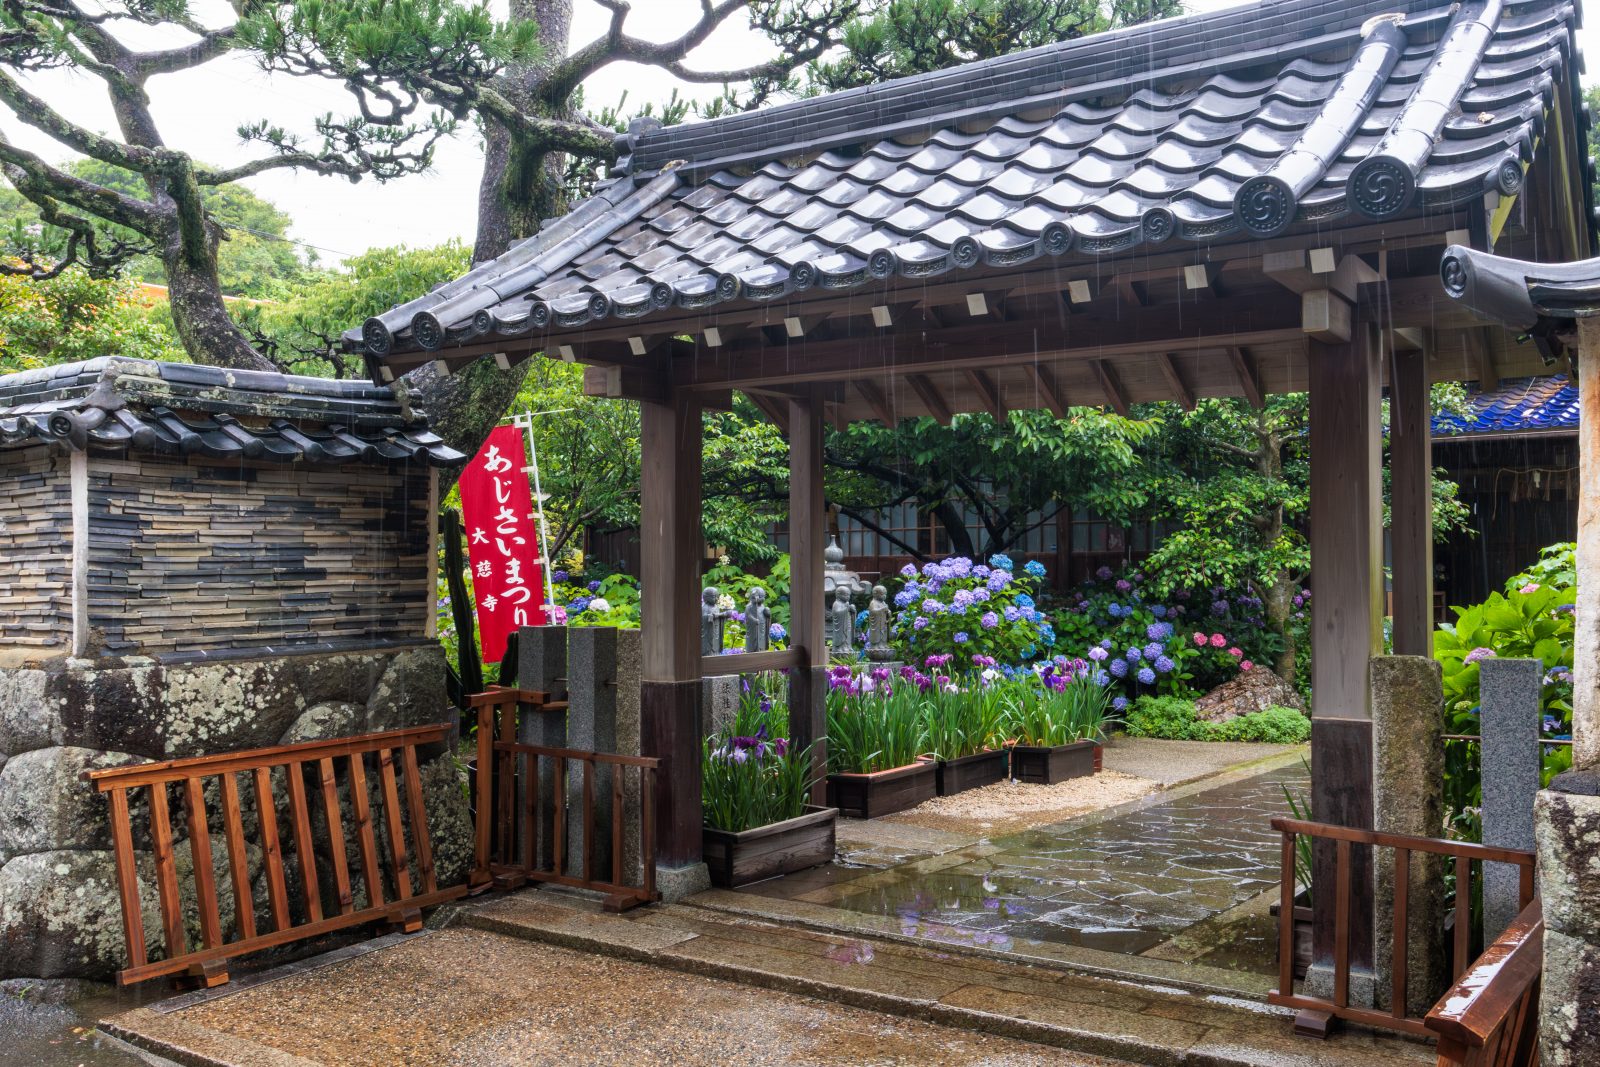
[669, 581]
[1346, 617]
[1411, 503]
[1586, 651]
[807, 535]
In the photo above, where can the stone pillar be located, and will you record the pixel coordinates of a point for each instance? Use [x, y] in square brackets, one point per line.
[591, 727]
[542, 666]
[719, 696]
[1586, 645]
[1509, 723]
[628, 649]
[1408, 789]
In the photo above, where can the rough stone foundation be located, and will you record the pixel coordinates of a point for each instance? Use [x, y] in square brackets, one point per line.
[59, 912]
[1567, 832]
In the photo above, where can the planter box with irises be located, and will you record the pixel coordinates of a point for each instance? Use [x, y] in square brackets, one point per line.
[875, 744]
[754, 788]
[1058, 719]
[964, 726]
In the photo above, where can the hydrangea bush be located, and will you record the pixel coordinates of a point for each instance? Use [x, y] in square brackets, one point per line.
[960, 608]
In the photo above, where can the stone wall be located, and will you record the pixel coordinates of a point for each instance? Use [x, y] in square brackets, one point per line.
[1567, 832]
[59, 915]
[36, 529]
[187, 554]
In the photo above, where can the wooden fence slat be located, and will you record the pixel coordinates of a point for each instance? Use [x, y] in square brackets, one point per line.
[330, 810]
[647, 831]
[1463, 915]
[391, 817]
[1286, 916]
[419, 821]
[305, 854]
[127, 878]
[244, 909]
[366, 840]
[483, 794]
[166, 873]
[272, 850]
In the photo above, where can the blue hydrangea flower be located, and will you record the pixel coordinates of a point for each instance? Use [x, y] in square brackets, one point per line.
[1012, 613]
[1135, 653]
[989, 620]
[1115, 610]
[1001, 562]
[594, 587]
[1106, 644]
[919, 622]
[962, 600]
[1031, 615]
[559, 575]
[999, 579]
[1159, 611]
[1147, 676]
[776, 632]
[1158, 631]
[1024, 600]
[1034, 568]
[1164, 665]
[960, 637]
[1048, 632]
[909, 570]
[932, 607]
[578, 604]
[1119, 704]
[1152, 650]
[1119, 668]
[904, 598]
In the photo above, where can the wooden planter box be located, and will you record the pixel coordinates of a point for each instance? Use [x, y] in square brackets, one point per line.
[867, 796]
[1046, 766]
[970, 772]
[768, 851]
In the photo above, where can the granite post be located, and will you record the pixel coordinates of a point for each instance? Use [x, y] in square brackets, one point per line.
[542, 667]
[1509, 723]
[629, 650]
[1408, 794]
[591, 727]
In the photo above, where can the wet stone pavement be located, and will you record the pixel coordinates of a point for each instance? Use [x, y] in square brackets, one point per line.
[1143, 882]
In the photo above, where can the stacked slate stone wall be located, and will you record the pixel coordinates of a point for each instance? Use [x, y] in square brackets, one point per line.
[35, 566]
[59, 911]
[187, 555]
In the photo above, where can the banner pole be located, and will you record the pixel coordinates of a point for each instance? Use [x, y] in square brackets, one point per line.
[525, 422]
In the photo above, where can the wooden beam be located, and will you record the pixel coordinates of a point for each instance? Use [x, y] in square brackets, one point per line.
[775, 410]
[629, 383]
[983, 386]
[808, 683]
[930, 397]
[1303, 272]
[1480, 350]
[1169, 371]
[1045, 382]
[1111, 386]
[1411, 502]
[876, 401]
[669, 586]
[1325, 316]
[1244, 369]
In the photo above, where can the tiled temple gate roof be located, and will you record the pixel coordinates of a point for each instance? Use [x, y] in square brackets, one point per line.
[1520, 406]
[117, 403]
[1247, 122]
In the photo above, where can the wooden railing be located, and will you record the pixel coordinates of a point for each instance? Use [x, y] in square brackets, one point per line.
[290, 918]
[524, 824]
[1345, 839]
[1490, 1018]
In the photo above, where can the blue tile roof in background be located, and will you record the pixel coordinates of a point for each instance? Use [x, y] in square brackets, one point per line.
[1519, 405]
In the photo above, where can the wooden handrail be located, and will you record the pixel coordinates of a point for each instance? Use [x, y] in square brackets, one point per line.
[577, 754]
[752, 662]
[1437, 846]
[178, 769]
[1477, 1007]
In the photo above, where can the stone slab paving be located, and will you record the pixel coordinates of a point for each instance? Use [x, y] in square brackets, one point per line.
[468, 996]
[1136, 1021]
[1175, 762]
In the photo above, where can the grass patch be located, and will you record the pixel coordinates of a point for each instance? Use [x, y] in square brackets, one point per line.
[1174, 719]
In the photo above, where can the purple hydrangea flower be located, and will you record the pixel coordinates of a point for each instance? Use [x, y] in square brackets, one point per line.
[559, 575]
[1135, 654]
[959, 637]
[909, 570]
[594, 587]
[960, 566]
[1158, 631]
[1119, 668]
[1147, 676]
[1164, 665]
[1478, 653]
[1104, 573]
[1152, 650]
[1123, 585]
[962, 600]
[904, 598]
[1119, 704]
[1012, 613]
[920, 622]
[932, 607]
[989, 620]
[999, 579]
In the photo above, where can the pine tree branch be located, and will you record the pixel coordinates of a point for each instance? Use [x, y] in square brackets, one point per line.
[97, 200]
[33, 111]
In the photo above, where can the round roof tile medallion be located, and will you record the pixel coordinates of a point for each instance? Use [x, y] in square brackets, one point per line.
[802, 275]
[427, 330]
[660, 295]
[727, 287]
[881, 263]
[965, 252]
[539, 315]
[1265, 205]
[599, 306]
[1381, 187]
[1508, 176]
[375, 337]
[482, 321]
[1057, 239]
[1157, 225]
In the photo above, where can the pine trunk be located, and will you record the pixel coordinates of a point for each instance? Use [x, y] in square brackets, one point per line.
[201, 317]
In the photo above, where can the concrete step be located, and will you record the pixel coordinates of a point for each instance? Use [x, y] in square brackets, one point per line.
[1134, 1019]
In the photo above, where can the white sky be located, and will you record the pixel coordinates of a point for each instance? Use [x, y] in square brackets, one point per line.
[200, 111]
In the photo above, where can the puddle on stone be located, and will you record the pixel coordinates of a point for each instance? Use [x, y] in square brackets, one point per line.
[1126, 884]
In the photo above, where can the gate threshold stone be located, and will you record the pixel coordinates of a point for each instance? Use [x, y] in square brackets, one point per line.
[1137, 1020]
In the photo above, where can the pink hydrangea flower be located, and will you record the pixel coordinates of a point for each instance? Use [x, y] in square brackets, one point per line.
[1200, 639]
[1218, 641]
[1236, 653]
[1531, 587]
[1247, 666]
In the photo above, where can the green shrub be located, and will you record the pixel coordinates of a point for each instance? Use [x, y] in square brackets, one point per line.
[1174, 719]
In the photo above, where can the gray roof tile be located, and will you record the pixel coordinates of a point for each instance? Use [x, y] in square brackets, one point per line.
[1248, 120]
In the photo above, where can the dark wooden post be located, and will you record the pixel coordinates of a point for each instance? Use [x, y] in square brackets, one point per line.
[1411, 503]
[808, 683]
[1346, 617]
[669, 573]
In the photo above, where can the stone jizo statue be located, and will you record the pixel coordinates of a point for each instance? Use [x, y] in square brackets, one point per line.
[844, 621]
[878, 625]
[757, 621]
[712, 620]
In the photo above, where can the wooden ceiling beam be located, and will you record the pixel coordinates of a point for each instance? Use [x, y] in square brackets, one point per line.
[1480, 350]
[1245, 370]
[988, 396]
[776, 411]
[936, 405]
[1045, 382]
[1111, 385]
[1169, 371]
[876, 401]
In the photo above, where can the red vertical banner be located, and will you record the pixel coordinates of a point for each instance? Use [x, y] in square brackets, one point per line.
[502, 541]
